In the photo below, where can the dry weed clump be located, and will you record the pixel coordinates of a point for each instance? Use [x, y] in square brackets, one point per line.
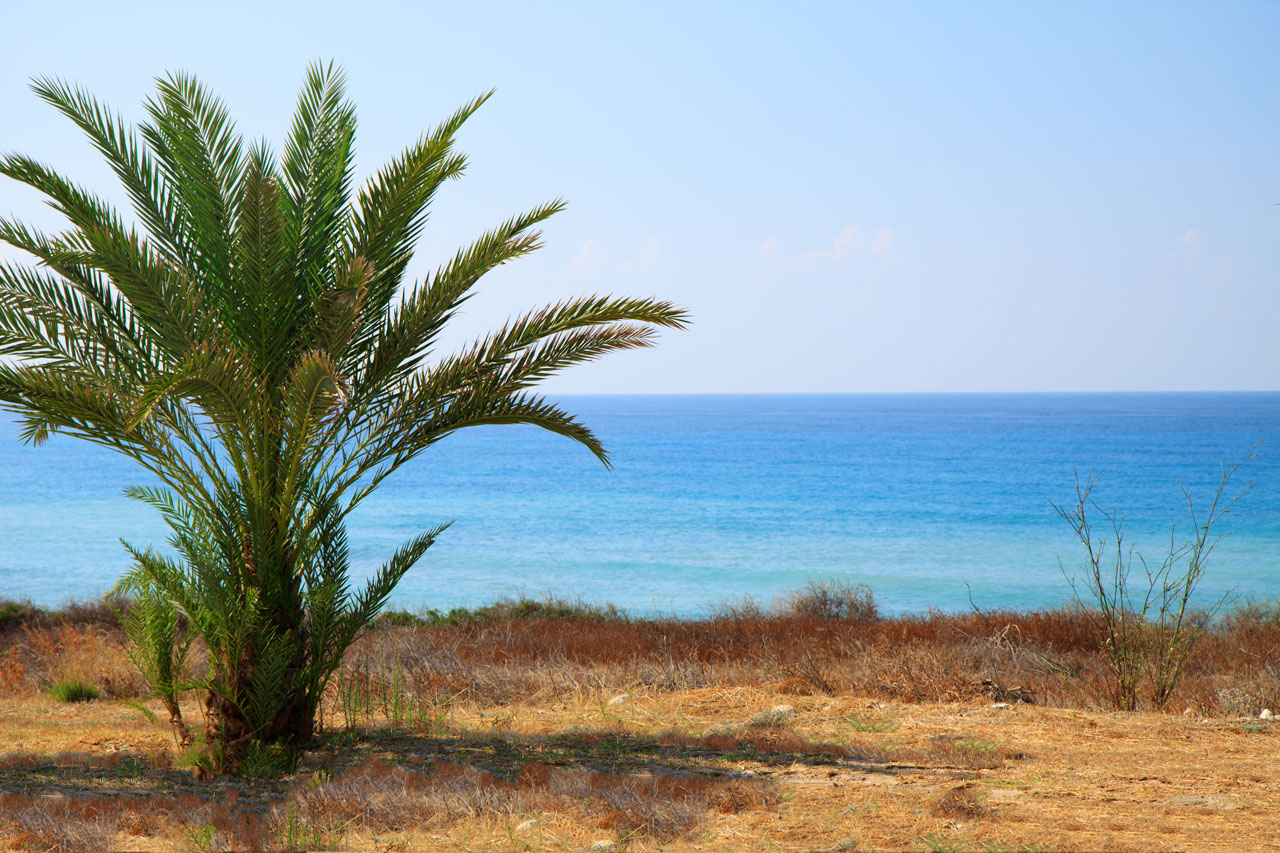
[81, 642]
[61, 823]
[13, 674]
[84, 653]
[383, 797]
[951, 751]
[378, 796]
[961, 802]
[64, 815]
[662, 807]
[225, 825]
[832, 600]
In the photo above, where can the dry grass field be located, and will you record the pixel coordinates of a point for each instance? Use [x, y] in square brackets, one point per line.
[537, 726]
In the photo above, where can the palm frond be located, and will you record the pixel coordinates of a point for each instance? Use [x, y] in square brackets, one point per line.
[86, 302]
[159, 294]
[412, 329]
[392, 208]
[131, 162]
[370, 601]
[200, 157]
[218, 380]
[580, 313]
[318, 167]
[270, 309]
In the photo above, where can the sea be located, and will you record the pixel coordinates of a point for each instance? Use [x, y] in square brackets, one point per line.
[934, 501]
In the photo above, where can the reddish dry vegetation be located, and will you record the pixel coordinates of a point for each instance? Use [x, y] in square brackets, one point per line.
[1049, 658]
[809, 645]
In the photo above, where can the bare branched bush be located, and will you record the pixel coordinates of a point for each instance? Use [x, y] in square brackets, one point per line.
[833, 599]
[1148, 631]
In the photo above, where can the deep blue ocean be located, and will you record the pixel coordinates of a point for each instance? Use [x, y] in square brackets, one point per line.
[930, 499]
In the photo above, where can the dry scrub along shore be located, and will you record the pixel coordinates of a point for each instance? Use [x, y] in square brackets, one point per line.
[540, 725]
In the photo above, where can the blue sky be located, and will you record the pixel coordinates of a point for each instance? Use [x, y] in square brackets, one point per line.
[849, 197]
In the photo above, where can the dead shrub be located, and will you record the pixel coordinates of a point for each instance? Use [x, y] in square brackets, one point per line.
[99, 612]
[59, 823]
[1238, 702]
[13, 674]
[219, 825]
[662, 807]
[833, 600]
[634, 808]
[85, 653]
[962, 802]
[140, 824]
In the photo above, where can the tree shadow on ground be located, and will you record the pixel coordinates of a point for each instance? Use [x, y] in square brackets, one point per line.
[618, 751]
[124, 775]
[656, 786]
[505, 754]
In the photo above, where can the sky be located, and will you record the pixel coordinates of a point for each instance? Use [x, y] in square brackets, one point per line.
[848, 197]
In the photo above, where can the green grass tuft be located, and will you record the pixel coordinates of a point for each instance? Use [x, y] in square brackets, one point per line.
[861, 723]
[74, 690]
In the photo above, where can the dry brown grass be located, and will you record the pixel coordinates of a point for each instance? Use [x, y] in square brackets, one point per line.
[818, 642]
[1050, 658]
[502, 735]
[81, 642]
[381, 797]
[91, 654]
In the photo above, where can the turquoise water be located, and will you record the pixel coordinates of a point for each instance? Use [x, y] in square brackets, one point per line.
[925, 497]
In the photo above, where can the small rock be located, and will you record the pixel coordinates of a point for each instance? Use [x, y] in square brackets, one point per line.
[775, 716]
[1266, 714]
[619, 700]
[1000, 706]
[526, 826]
[603, 847]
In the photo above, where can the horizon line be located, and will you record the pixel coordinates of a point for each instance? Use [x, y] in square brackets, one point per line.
[901, 393]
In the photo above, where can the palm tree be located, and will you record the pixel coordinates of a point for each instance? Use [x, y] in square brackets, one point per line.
[252, 342]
